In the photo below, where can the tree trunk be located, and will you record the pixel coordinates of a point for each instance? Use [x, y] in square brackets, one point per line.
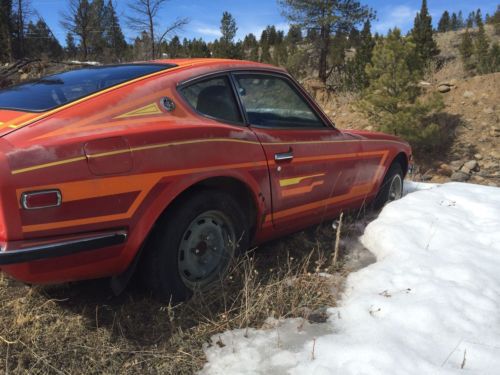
[323, 53]
[151, 32]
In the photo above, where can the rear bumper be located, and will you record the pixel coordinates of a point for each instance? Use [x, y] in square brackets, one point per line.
[28, 251]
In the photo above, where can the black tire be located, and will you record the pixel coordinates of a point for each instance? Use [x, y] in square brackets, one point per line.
[215, 221]
[385, 194]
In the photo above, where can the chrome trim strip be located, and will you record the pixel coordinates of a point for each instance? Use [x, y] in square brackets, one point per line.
[63, 248]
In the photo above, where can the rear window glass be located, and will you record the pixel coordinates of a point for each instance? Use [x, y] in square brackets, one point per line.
[53, 91]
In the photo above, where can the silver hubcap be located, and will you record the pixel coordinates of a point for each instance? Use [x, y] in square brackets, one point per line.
[396, 188]
[205, 250]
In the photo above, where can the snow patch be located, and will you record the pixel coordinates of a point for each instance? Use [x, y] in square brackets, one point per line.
[430, 304]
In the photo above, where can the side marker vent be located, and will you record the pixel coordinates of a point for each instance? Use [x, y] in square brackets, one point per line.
[34, 200]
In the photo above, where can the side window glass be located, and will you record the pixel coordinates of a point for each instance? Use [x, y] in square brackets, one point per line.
[213, 97]
[273, 102]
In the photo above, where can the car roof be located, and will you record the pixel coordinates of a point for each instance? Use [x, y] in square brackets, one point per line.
[217, 64]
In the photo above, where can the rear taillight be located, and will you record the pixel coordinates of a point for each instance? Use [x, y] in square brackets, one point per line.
[33, 200]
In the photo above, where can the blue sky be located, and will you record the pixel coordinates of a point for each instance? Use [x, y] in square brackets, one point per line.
[254, 15]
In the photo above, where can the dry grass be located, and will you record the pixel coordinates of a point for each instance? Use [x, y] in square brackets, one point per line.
[81, 328]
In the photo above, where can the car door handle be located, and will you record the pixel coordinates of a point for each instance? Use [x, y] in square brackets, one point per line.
[284, 156]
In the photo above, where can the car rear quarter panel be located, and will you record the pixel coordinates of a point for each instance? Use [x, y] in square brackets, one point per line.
[170, 153]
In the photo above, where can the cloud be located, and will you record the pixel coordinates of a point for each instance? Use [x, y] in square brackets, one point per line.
[400, 16]
[208, 31]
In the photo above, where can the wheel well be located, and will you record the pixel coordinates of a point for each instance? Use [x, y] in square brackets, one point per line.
[234, 187]
[402, 159]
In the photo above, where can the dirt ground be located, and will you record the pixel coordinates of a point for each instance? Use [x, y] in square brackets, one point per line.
[82, 328]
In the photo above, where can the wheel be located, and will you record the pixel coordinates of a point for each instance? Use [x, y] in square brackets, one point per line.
[391, 188]
[193, 244]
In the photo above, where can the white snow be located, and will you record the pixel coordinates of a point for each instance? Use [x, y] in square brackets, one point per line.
[431, 299]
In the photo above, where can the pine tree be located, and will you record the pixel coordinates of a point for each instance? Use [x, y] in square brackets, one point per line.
[453, 22]
[71, 49]
[494, 58]
[251, 47]
[329, 17]
[444, 23]
[265, 55]
[495, 20]
[113, 34]
[466, 49]
[5, 30]
[425, 45]
[357, 77]
[460, 21]
[225, 47]
[392, 99]
[470, 20]
[294, 35]
[41, 42]
[478, 19]
[174, 49]
[481, 48]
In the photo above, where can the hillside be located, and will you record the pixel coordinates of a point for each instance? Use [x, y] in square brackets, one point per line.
[471, 105]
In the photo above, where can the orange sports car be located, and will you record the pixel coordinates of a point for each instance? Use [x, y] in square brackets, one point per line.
[175, 166]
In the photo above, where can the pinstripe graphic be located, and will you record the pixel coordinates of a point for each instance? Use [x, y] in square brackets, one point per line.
[145, 182]
[195, 141]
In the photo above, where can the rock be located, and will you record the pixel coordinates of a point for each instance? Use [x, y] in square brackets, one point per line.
[471, 165]
[468, 94]
[443, 89]
[445, 170]
[495, 154]
[424, 84]
[318, 316]
[478, 157]
[456, 164]
[24, 77]
[494, 131]
[488, 110]
[460, 176]
[477, 179]
[439, 179]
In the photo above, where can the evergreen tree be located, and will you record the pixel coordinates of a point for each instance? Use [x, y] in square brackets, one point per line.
[495, 20]
[494, 58]
[453, 22]
[356, 78]
[174, 49]
[225, 46]
[481, 48]
[328, 17]
[265, 56]
[460, 21]
[251, 47]
[71, 49]
[228, 28]
[78, 22]
[113, 34]
[466, 49]
[294, 35]
[21, 14]
[5, 30]
[444, 23]
[391, 100]
[425, 45]
[40, 42]
[470, 20]
[478, 19]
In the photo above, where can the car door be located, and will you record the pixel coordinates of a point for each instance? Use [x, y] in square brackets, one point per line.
[312, 165]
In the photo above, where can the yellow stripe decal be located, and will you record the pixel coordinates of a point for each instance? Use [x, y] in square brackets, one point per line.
[297, 180]
[150, 109]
